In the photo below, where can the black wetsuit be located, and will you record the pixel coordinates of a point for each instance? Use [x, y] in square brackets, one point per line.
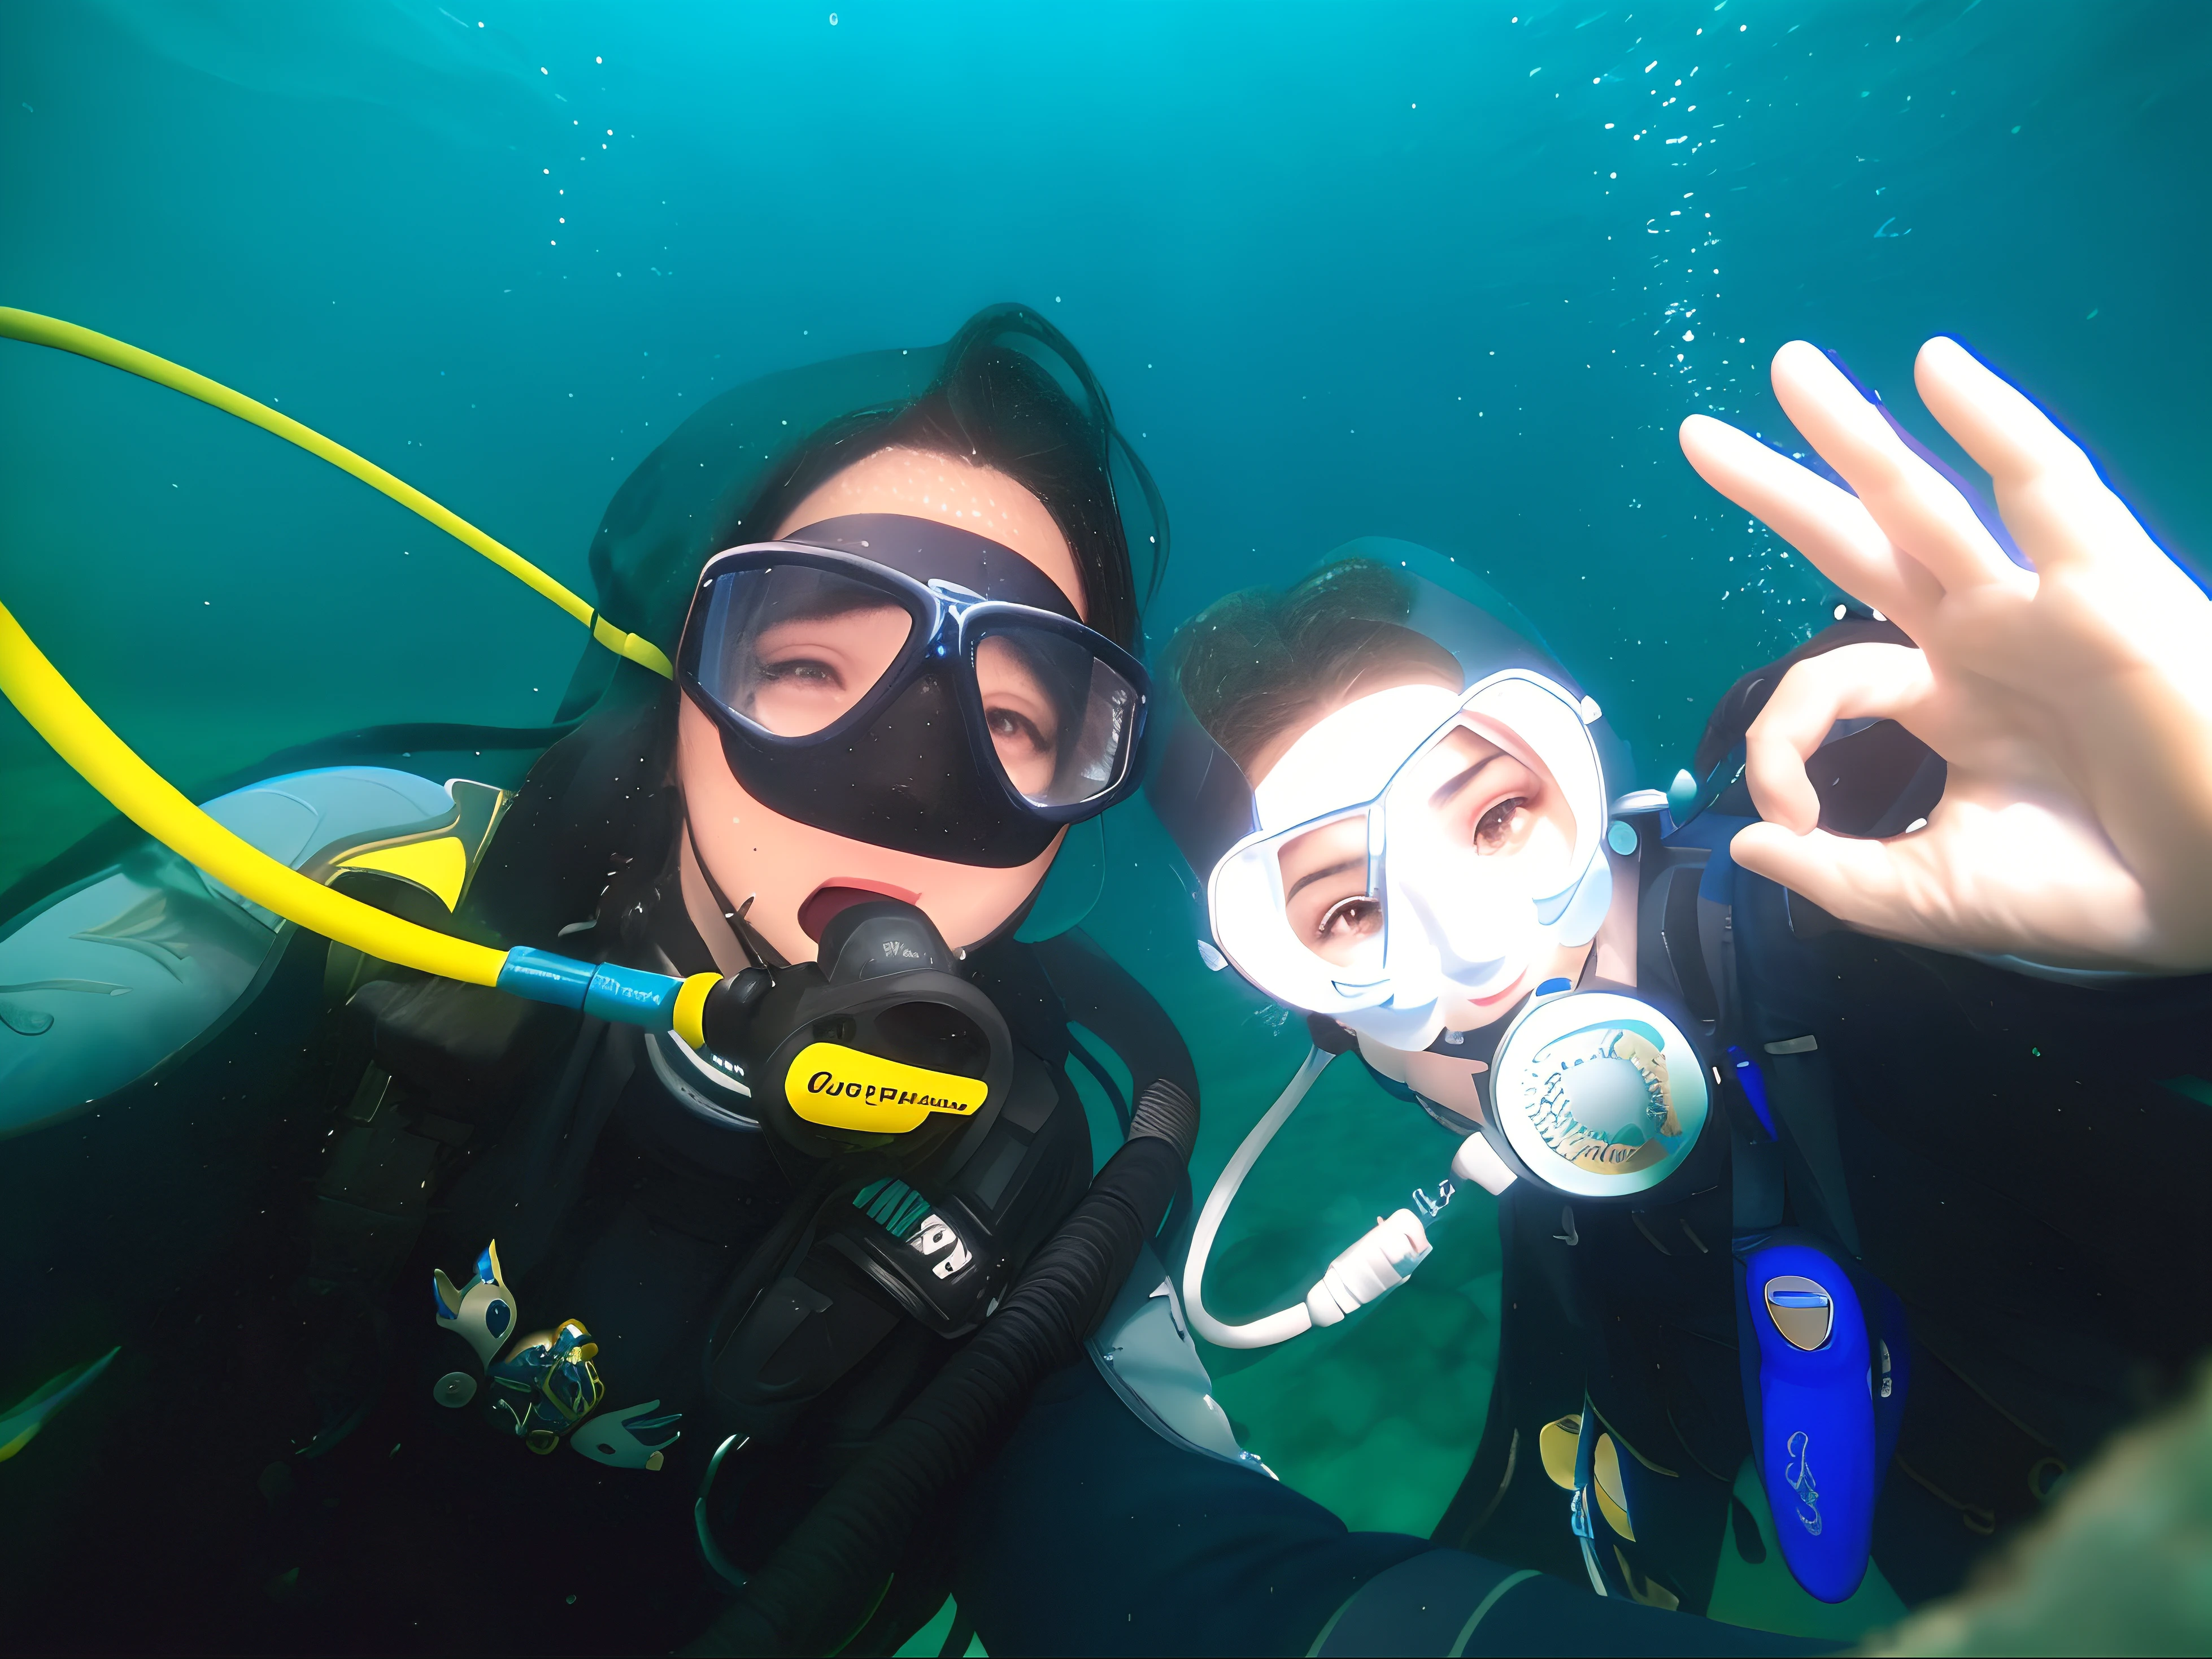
[265, 1468]
[1091, 1533]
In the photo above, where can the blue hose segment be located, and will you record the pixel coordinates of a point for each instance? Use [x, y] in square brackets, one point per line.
[543, 977]
[635, 996]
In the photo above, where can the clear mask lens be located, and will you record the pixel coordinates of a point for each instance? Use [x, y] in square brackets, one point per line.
[1060, 721]
[1326, 900]
[1471, 828]
[793, 648]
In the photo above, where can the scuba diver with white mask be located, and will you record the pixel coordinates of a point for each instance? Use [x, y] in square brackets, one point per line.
[1823, 1097]
[713, 1064]
[1423, 844]
[1410, 862]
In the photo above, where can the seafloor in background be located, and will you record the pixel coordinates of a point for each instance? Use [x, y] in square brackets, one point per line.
[1451, 273]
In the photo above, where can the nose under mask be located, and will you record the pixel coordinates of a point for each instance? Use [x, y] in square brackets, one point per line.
[907, 781]
[1482, 932]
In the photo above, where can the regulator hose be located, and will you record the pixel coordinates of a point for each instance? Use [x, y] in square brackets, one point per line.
[32, 328]
[817, 1592]
[636, 996]
[80, 737]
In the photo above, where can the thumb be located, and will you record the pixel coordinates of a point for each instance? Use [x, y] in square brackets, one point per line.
[1864, 883]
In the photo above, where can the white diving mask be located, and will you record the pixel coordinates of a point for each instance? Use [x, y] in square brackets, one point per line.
[1453, 923]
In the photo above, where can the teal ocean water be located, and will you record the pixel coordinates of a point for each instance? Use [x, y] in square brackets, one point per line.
[1449, 273]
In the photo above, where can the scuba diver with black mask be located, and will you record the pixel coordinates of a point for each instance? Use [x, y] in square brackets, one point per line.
[1831, 1125]
[716, 1173]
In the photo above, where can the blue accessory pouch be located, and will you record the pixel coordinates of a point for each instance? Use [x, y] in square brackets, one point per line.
[1812, 1392]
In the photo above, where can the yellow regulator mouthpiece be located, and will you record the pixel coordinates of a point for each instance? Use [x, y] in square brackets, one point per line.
[35, 330]
[843, 1088]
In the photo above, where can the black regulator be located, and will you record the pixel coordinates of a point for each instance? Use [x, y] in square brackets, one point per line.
[932, 1152]
[882, 1042]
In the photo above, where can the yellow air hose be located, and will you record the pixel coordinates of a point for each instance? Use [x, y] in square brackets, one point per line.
[35, 330]
[81, 738]
[152, 802]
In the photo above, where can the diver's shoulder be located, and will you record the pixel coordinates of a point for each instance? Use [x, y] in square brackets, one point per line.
[120, 970]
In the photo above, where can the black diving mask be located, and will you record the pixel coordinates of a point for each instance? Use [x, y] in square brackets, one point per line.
[911, 685]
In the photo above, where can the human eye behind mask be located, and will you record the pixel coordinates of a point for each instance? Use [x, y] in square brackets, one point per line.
[913, 686]
[1488, 816]
[1324, 895]
[1021, 714]
[798, 650]
[1060, 718]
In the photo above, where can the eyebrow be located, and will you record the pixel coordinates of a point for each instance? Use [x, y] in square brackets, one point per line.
[1451, 787]
[1322, 874]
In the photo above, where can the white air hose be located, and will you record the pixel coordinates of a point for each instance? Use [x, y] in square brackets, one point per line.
[1383, 1259]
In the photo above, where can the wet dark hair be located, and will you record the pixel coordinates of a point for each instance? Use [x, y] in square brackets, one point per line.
[1013, 395]
[1261, 661]
[1010, 392]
